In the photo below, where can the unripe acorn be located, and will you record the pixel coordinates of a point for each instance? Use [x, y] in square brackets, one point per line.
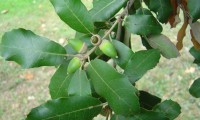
[78, 45]
[108, 49]
[74, 64]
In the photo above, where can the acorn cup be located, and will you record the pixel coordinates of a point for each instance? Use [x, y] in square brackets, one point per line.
[78, 45]
[108, 49]
[74, 64]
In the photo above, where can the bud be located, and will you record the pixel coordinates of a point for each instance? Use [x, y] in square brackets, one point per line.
[108, 49]
[78, 45]
[74, 64]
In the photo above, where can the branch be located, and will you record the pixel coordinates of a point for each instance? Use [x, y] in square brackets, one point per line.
[129, 4]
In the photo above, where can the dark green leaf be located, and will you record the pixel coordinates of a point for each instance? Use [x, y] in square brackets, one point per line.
[70, 50]
[79, 85]
[124, 53]
[30, 50]
[103, 10]
[114, 87]
[102, 25]
[195, 88]
[194, 9]
[140, 63]
[147, 100]
[195, 53]
[197, 62]
[75, 14]
[162, 8]
[143, 11]
[163, 43]
[143, 24]
[145, 43]
[195, 30]
[143, 115]
[73, 108]
[170, 108]
[60, 82]
[85, 38]
[136, 5]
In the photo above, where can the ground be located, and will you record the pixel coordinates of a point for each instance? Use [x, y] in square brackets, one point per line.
[21, 90]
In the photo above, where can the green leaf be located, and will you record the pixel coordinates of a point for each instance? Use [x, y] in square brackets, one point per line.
[143, 24]
[30, 50]
[103, 10]
[72, 108]
[136, 5]
[79, 85]
[145, 43]
[85, 38]
[195, 88]
[143, 115]
[197, 62]
[195, 29]
[114, 87]
[124, 53]
[163, 43]
[194, 9]
[170, 108]
[147, 100]
[75, 14]
[140, 63]
[195, 53]
[143, 11]
[162, 8]
[59, 84]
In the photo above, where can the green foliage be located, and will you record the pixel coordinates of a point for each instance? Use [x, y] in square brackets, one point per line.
[194, 89]
[122, 95]
[77, 107]
[30, 50]
[60, 82]
[194, 9]
[86, 79]
[124, 54]
[103, 10]
[196, 54]
[79, 85]
[162, 8]
[143, 115]
[170, 108]
[147, 100]
[75, 14]
[163, 43]
[140, 63]
[143, 25]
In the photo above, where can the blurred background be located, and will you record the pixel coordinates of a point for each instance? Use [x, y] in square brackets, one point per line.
[21, 90]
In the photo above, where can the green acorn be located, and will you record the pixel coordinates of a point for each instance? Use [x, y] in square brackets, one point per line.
[74, 64]
[78, 45]
[108, 49]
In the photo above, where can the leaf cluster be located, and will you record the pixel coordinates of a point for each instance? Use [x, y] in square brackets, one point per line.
[105, 84]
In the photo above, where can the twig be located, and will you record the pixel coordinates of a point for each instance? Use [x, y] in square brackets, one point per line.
[119, 30]
[130, 3]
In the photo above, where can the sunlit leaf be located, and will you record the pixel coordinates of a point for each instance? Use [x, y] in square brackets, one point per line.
[195, 88]
[170, 108]
[114, 87]
[75, 14]
[140, 63]
[79, 85]
[72, 108]
[30, 50]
